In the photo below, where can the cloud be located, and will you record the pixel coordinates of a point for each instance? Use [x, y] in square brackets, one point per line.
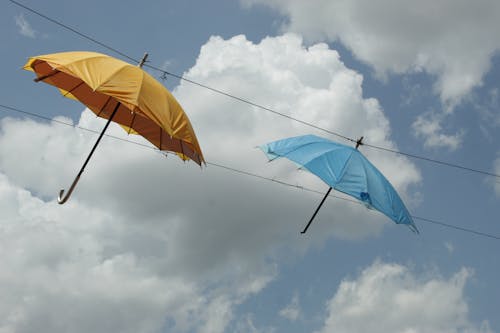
[25, 28]
[83, 268]
[450, 247]
[69, 270]
[246, 325]
[311, 84]
[292, 310]
[452, 40]
[390, 298]
[116, 267]
[428, 126]
[148, 243]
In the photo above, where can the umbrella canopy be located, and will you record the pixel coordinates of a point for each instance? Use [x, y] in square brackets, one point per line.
[345, 169]
[102, 82]
[123, 93]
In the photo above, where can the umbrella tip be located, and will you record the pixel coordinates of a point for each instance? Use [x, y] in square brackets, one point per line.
[359, 142]
[144, 57]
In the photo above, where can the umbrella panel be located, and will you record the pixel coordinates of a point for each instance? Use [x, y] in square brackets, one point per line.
[129, 116]
[344, 169]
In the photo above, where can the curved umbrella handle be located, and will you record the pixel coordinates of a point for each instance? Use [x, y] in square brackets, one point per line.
[62, 199]
[77, 178]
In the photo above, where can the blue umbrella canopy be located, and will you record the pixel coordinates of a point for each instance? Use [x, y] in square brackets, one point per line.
[345, 169]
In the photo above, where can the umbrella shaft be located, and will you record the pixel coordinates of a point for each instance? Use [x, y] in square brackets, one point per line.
[99, 139]
[62, 199]
[316, 212]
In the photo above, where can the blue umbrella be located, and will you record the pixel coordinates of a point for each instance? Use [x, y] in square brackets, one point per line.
[345, 169]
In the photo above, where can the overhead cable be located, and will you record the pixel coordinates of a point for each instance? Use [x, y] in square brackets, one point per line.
[243, 100]
[247, 173]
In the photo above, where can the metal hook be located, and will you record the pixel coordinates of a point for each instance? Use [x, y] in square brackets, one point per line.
[62, 200]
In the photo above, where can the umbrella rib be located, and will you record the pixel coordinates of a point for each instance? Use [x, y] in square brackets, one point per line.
[73, 89]
[103, 107]
[160, 135]
[46, 76]
[131, 122]
[366, 182]
[182, 149]
[290, 151]
[342, 172]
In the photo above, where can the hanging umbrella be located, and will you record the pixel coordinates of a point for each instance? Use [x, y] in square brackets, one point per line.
[123, 93]
[345, 169]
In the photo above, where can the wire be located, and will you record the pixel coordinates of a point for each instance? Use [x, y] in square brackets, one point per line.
[173, 74]
[246, 101]
[433, 160]
[479, 233]
[71, 125]
[180, 77]
[247, 173]
[278, 181]
[74, 31]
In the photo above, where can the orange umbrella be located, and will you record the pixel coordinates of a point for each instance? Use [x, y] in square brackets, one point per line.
[123, 93]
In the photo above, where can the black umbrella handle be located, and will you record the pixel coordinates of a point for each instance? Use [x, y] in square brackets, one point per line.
[62, 199]
[316, 212]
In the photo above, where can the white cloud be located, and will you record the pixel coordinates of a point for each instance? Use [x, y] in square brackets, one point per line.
[118, 261]
[292, 310]
[246, 325]
[451, 39]
[280, 73]
[147, 242]
[428, 126]
[25, 28]
[450, 247]
[70, 270]
[390, 298]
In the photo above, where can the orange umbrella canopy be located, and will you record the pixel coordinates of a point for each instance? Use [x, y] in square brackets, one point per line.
[105, 84]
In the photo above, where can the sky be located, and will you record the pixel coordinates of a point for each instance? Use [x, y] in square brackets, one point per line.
[149, 243]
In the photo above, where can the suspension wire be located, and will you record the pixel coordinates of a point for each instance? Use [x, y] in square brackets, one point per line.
[246, 101]
[479, 233]
[254, 175]
[10, 108]
[246, 173]
[486, 173]
[67, 27]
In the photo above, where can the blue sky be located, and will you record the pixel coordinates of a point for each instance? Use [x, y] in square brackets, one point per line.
[152, 244]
